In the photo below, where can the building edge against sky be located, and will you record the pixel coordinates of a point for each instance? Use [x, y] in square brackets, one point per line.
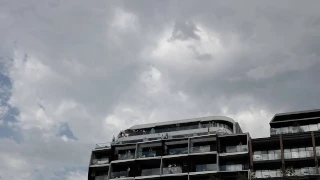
[198, 148]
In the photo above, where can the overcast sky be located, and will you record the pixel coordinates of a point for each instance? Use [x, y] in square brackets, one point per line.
[73, 73]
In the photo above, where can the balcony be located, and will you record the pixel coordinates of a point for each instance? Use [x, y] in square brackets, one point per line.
[295, 129]
[200, 149]
[119, 174]
[206, 167]
[233, 167]
[298, 153]
[235, 149]
[145, 154]
[172, 170]
[126, 156]
[100, 161]
[268, 173]
[103, 177]
[177, 151]
[266, 155]
[150, 172]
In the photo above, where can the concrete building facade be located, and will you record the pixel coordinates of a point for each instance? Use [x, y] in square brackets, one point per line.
[207, 147]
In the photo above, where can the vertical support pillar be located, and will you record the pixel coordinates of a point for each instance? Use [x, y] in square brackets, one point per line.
[314, 151]
[282, 153]
[250, 154]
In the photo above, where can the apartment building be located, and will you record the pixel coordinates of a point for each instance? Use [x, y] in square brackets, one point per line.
[200, 148]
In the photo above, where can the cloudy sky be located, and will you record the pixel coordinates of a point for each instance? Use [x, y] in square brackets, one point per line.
[73, 73]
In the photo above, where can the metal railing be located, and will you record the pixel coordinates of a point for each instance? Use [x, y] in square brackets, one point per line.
[144, 154]
[120, 174]
[100, 161]
[172, 170]
[200, 149]
[102, 177]
[176, 151]
[206, 167]
[150, 172]
[238, 148]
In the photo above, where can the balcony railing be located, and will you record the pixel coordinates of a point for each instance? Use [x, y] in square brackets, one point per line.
[172, 170]
[126, 156]
[277, 173]
[179, 128]
[103, 145]
[298, 153]
[100, 161]
[144, 154]
[266, 155]
[200, 149]
[103, 177]
[176, 151]
[268, 173]
[150, 172]
[120, 174]
[295, 129]
[238, 148]
[233, 167]
[206, 167]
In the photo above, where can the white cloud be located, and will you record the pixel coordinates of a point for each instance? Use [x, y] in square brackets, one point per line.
[76, 176]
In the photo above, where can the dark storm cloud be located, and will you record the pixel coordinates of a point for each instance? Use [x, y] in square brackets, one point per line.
[100, 67]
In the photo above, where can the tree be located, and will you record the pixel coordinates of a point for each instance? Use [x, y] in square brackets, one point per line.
[288, 174]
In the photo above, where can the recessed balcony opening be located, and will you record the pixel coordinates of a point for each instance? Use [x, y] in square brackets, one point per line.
[123, 170]
[148, 167]
[233, 163]
[265, 170]
[99, 173]
[101, 157]
[302, 167]
[266, 149]
[317, 143]
[203, 163]
[234, 144]
[125, 152]
[204, 176]
[149, 150]
[175, 165]
[233, 175]
[298, 147]
[176, 147]
[203, 144]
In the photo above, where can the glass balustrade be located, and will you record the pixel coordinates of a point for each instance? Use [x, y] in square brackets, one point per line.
[179, 128]
[120, 174]
[277, 173]
[232, 167]
[144, 154]
[172, 170]
[298, 153]
[100, 161]
[266, 155]
[103, 177]
[177, 151]
[206, 167]
[295, 129]
[200, 149]
[150, 172]
[126, 156]
[238, 148]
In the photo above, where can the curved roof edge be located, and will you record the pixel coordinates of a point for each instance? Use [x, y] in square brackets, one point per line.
[209, 118]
